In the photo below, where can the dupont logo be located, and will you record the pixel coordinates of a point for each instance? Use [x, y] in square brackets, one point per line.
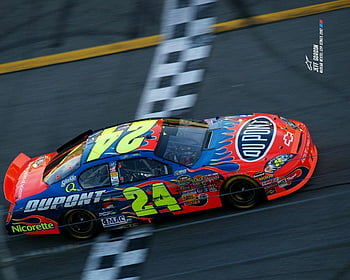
[255, 138]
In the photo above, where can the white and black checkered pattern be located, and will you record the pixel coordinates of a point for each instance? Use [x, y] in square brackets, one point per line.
[178, 64]
[118, 257]
[172, 86]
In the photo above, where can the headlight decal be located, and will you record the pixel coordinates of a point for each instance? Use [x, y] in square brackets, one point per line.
[277, 162]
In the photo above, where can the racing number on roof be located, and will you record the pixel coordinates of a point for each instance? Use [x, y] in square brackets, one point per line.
[103, 142]
[161, 197]
[129, 142]
[132, 140]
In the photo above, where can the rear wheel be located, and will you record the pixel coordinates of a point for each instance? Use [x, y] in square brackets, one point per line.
[81, 224]
[241, 192]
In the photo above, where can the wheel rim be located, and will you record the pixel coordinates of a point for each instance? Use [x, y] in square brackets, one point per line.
[80, 223]
[241, 193]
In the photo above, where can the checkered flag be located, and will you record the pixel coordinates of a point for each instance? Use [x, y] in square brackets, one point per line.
[178, 64]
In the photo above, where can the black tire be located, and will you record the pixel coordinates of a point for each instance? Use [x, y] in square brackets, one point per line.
[80, 224]
[241, 192]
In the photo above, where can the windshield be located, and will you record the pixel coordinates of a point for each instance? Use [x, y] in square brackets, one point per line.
[63, 164]
[182, 142]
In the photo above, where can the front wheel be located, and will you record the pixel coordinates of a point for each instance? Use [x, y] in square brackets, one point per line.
[80, 224]
[241, 192]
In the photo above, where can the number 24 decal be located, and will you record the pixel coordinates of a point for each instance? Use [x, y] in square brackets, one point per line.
[160, 196]
[126, 143]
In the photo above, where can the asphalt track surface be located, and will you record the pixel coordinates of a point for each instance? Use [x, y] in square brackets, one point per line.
[259, 69]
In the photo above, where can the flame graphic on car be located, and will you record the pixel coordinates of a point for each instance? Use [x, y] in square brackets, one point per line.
[224, 151]
[24, 221]
[32, 220]
[150, 141]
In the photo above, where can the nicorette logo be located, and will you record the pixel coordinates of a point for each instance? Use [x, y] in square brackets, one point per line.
[255, 138]
[31, 228]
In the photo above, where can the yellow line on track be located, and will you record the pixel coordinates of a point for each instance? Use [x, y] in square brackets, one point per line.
[282, 15]
[79, 54]
[157, 39]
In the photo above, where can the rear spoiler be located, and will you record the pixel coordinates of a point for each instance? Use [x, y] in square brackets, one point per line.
[75, 141]
[13, 172]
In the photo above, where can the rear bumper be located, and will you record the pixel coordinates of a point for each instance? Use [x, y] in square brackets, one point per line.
[23, 179]
[12, 175]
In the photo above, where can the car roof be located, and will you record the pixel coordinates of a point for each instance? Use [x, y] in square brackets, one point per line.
[121, 139]
[125, 138]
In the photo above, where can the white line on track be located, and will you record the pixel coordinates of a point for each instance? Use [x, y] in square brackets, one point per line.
[338, 243]
[252, 211]
[101, 238]
[68, 247]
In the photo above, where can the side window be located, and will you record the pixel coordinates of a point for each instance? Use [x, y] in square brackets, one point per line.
[132, 170]
[94, 177]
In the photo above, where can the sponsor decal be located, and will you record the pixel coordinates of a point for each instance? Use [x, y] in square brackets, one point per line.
[269, 182]
[180, 172]
[115, 221]
[200, 190]
[71, 187]
[184, 180]
[259, 174]
[52, 203]
[282, 183]
[186, 183]
[270, 191]
[31, 228]
[255, 139]
[190, 200]
[113, 172]
[288, 181]
[107, 213]
[306, 151]
[264, 177]
[194, 200]
[68, 180]
[34, 223]
[115, 179]
[22, 183]
[39, 162]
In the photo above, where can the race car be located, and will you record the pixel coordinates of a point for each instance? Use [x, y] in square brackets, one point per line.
[135, 172]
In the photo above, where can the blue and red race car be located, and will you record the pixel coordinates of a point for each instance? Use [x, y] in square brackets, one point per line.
[135, 172]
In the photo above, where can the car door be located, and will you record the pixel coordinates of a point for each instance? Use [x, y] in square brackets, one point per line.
[148, 187]
[157, 188]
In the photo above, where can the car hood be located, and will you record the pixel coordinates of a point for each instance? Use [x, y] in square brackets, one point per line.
[245, 139]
